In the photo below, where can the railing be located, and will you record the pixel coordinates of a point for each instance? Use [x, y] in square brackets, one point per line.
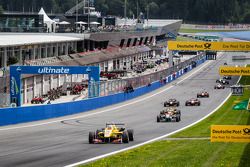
[116, 86]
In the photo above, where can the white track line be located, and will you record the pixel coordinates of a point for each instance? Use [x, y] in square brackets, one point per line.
[114, 108]
[152, 140]
[147, 142]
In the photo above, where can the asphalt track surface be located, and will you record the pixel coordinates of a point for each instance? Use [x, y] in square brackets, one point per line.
[66, 142]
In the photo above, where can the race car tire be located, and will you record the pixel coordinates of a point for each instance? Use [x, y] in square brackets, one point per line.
[178, 104]
[91, 137]
[130, 134]
[158, 119]
[125, 138]
[97, 132]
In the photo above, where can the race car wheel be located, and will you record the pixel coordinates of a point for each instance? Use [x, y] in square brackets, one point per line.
[158, 118]
[125, 138]
[91, 137]
[177, 119]
[179, 112]
[178, 104]
[131, 135]
[97, 132]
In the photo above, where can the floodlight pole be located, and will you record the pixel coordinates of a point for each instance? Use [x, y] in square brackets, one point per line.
[88, 15]
[125, 12]
[76, 10]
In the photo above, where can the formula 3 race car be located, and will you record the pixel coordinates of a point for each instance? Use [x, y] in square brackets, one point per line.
[202, 94]
[112, 133]
[227, 77]
[37, 100]
[171, 102]
[193, 102]
[222, 81]
[219, 86]
[169, 115]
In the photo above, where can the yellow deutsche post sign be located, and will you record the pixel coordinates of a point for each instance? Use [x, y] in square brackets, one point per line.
[213, 46]
[235, 71]
[230, 133]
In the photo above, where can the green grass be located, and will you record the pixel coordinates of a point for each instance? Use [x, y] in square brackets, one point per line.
[192, 153]
[182, 30]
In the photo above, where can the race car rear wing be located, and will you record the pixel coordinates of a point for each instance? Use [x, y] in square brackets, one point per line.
[115, 124]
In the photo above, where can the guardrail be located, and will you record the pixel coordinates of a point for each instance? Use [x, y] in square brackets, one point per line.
[34, 113]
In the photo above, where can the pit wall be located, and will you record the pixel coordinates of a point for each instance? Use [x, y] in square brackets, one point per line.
[17, 115]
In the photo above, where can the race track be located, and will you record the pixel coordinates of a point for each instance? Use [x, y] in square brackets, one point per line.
[66, 142]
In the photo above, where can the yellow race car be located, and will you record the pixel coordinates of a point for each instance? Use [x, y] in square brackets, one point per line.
[112, 133]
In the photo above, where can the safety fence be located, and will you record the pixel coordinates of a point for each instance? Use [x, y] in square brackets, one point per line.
[40, 112]
[116, 86]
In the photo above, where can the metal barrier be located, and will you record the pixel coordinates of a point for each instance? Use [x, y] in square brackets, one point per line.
[117, 86]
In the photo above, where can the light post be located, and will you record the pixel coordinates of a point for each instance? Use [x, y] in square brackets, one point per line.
[88, 70]
[88, 15]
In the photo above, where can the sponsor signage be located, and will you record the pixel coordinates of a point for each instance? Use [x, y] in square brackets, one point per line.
[17, 71]
[230, 133]
[214, 46]
[53, 70]
[235, 71]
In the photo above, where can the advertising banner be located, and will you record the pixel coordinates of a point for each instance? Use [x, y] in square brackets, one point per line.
[206, 46]
[235, 71]
[230, 133]
[16, 72]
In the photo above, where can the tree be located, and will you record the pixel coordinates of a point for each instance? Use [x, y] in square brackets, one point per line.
[246, 18]
[1, 10]
[153, 9]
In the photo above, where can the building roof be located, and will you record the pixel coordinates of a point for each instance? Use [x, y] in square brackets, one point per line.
[20, 39]
[149, 22]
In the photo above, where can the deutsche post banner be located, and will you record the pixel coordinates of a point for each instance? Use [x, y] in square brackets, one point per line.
[230, 133]
[234, 71]
[206, 46]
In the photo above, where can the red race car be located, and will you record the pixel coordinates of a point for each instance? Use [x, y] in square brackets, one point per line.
[202, 94]
[193, 102]
[37, 100]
